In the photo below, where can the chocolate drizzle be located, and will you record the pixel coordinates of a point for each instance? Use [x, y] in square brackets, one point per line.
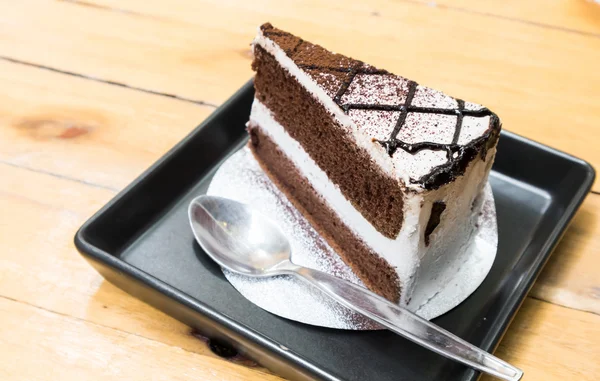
[458, 156]
[412, 88]
[437, 209]
[300, 42]
[363, 70]
[338, 97]
[459, 118]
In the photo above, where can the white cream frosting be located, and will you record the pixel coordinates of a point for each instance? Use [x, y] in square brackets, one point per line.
[426, 97]
[387, 90]
[407, 253]
[408, 239]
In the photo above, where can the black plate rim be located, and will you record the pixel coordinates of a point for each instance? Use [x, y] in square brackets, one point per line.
[96, 254]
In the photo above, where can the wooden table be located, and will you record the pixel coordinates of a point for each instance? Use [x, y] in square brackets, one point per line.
[94, 91]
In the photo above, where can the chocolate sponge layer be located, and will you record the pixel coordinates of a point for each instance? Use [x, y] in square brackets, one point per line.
[375, 195]
[373, 270]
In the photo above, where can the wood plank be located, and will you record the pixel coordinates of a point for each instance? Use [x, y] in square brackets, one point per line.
[519, 70]
[550, 342]
[42, 345]
[36, 343]
[570, 277]
[189, 60]
[580, 16]
[94, 132]
[38, 263]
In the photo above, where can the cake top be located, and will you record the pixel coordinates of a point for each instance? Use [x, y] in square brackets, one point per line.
[430, 135]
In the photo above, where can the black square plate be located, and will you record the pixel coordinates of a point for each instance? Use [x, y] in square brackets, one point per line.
[141, 241]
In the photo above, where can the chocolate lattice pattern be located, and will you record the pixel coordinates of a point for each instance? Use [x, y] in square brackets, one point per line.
[454, 151]
[458, 156]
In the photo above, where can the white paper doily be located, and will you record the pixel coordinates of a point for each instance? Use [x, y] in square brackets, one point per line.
[240, 178]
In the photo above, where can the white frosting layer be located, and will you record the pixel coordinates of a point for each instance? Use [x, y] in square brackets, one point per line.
[366, 127]
[414, 163]
[407, 253]
[328, 191]
[446, 251]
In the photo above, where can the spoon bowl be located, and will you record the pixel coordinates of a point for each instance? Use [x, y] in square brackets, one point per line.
[238, 238]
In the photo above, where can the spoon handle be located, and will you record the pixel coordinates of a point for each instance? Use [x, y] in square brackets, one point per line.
[408, 325]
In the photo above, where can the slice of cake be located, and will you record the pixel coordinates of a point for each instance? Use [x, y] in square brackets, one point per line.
[387, 170]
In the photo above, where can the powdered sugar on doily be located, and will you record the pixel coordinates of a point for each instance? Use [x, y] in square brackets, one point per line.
[241, 178]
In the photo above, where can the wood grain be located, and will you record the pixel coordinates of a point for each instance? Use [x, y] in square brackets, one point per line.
[36, 344]
[576, 16]
[543, 82]
[552, 343]
[69, 140]
[41, 345]
[94, 132]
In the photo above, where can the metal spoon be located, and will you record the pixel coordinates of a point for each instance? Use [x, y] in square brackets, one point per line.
[248, 243]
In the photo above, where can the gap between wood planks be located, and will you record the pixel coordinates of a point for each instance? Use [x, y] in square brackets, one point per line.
[535, 297]
[87, 321]
[59, 176]
[108, 82]
[521, 325]
[94, 79]
[106, 8]
[434, 4]
[186, 350]
[430, 4]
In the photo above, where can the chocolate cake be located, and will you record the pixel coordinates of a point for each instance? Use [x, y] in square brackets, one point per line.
[388, 171]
